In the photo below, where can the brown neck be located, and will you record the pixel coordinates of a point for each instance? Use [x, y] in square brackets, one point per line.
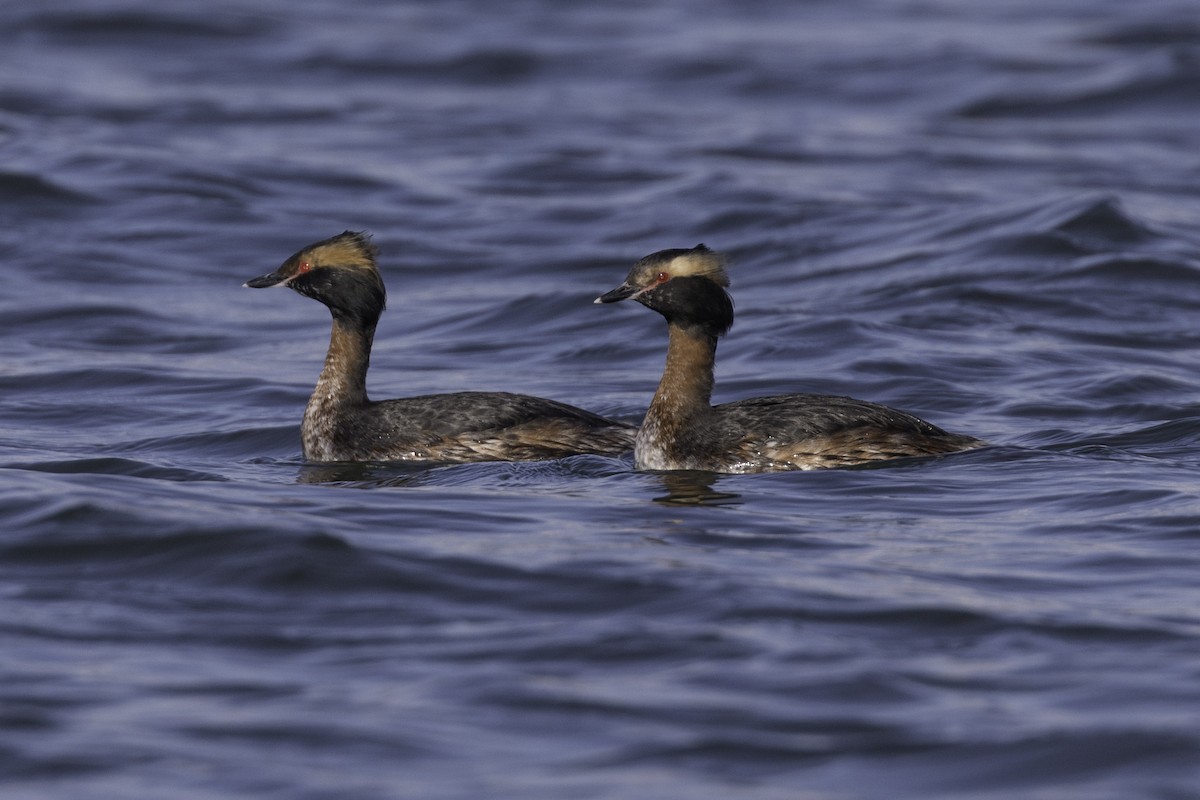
[343, 380]
[687, 382]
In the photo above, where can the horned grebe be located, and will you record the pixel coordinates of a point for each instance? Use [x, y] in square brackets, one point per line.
[683, 430]
[341, 424]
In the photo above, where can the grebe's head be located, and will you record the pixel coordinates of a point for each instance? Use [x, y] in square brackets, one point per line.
[685, 286]
[339, 271]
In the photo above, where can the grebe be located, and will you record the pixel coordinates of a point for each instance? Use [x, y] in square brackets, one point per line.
[341, 424]
[683, 430]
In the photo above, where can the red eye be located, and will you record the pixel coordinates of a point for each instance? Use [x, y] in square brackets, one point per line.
[305, 266]
[662, 277]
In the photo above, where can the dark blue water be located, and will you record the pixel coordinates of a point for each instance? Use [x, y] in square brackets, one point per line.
[988, 214]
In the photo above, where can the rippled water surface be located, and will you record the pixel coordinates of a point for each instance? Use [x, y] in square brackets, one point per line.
[983, 213]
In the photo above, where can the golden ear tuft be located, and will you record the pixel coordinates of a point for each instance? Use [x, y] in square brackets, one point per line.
[700, 262]
[347, 250]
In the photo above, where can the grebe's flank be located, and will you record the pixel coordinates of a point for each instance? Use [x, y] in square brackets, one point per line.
[683, 430]
[342, 424]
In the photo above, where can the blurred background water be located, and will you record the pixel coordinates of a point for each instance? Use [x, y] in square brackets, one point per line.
[982, 213]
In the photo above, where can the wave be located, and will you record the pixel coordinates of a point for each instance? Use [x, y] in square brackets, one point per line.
[1160, 83]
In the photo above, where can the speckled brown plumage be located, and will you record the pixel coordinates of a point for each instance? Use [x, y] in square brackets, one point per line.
[342, 424]
[683, 430]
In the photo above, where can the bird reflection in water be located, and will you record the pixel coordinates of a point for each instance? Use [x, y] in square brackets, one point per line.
[694, 488]
[363, 474]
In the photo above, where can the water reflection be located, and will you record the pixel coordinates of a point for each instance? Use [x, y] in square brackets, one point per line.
[694, 488]
[363, 474]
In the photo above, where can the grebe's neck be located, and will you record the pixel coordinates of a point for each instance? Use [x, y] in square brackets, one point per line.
[341, 387]
[344, 375]
[683, 400]
[687, 381]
